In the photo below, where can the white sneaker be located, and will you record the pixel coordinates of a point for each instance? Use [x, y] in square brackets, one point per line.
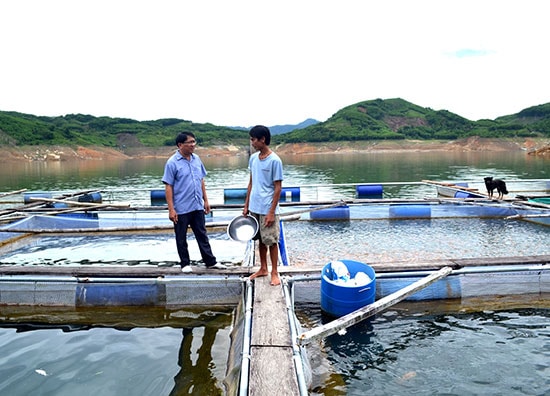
[187, 269]
[218, 266]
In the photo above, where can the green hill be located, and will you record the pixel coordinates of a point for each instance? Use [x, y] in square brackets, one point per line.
[399, 119]
[78, 129]
[368, 120]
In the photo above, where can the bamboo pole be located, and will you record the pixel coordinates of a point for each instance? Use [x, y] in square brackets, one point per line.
[306, 186]
[76, 203]
[362, 201]
[371, 309]
[291, 215]
[87, 230]
[454, 187]
[79, 209]
[538, 205]
[528, 216]
[449, 184]
[11, 217]
[39, 202]
[12, 193]
[168, 226]
[14, 239]
[515, 204]
[472, 202]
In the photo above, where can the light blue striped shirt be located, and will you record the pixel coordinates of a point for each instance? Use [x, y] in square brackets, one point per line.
[185, 176]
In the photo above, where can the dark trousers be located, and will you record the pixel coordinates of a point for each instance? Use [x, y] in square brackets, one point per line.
[195, 220]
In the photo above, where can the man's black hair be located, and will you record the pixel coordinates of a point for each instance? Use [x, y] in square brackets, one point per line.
[260, 131]
[183, 136]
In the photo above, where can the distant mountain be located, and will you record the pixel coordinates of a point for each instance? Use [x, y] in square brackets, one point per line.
[280, 129]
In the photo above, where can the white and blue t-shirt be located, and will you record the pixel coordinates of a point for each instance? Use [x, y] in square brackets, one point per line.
[264, 173]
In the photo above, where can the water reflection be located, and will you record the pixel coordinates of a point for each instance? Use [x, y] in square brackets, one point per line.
[114, 351]
[187, 382]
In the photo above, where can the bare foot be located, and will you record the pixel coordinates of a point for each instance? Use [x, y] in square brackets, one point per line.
[275, 279]
[257, 274]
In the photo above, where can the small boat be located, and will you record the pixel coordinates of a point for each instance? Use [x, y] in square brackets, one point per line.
[455, 190]
[542, 199]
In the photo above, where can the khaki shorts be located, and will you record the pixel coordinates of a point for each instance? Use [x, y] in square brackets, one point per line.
[267, 235]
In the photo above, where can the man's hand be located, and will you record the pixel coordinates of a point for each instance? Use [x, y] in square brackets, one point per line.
[269, 219]
[173, 216]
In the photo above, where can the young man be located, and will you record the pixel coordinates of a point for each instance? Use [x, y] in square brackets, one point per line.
[187, 202]
[262, 199]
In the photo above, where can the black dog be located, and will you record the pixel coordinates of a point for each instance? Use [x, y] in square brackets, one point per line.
[497, 184]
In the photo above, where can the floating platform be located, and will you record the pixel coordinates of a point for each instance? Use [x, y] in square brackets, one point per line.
[42, 285]
[272, 328]
[358, 201]
[155, 218]
[271, 338]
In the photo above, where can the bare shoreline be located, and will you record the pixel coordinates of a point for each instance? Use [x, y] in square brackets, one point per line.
[540, 146]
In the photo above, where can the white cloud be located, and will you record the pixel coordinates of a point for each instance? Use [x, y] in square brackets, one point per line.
[469, 52]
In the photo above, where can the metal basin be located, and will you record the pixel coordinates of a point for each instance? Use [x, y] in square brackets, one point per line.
[242, 228]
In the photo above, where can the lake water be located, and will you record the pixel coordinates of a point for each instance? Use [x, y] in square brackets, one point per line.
[132, 179]
[168, 354]
[406, 351]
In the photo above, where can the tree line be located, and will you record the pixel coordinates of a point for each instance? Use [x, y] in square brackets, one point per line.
[369, 120]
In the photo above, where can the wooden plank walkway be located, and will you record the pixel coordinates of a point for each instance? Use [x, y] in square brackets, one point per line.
[272, 369]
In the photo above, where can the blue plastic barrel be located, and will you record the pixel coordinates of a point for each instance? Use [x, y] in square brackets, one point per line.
[336, 213]
[27, 196]
[103, 294]
[369, 191]
[410, 211]
[85, 215]
[94, 197]
[234, 195]
[158, 197]
[338, 300]
[291, 194]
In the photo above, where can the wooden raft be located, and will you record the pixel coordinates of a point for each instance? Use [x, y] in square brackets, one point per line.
[272, 369]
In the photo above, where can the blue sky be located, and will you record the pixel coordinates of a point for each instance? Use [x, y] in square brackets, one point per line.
[271, 62]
